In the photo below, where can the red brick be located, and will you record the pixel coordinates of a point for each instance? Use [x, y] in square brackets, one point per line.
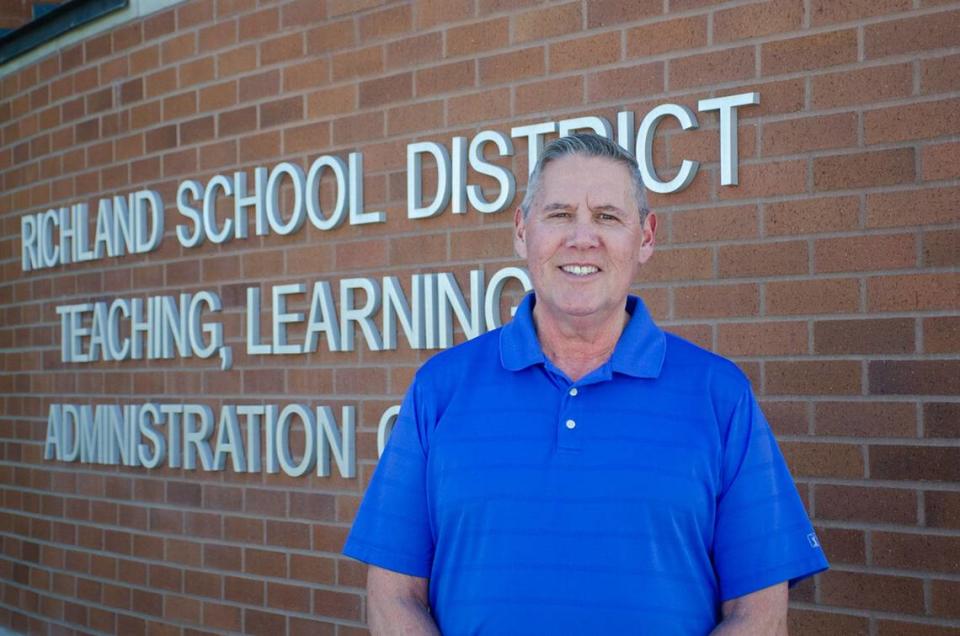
[916, 551]
[762, 259]
[585, 52]
[477, 37]
[255, 26]
[314, 569]
[810, 216]
[281, 49]
[512, 66]
[828, 12]
[414, 50]
[237, 61]
[862, 86]
[678, 34]
[415, 117]
[385, 90]
[560, 93]
[288, 597]
[608, 12]
[762, 338]
[385, 23]
[620, 83]
[895, 335]
[679, 264]
[770, 178]
[866, 504]
[336, 604]
[915, 377]
[357, 63]
[711, 68]
[549, 22]
[756, 20]
[330, 37]
[302, 12]
[306, 74]
[243, 590]
[488, 105]
[265, 562]
[941, 334]
[716, 300]
[219, 616]
[941, 161]
[942, 509]
[282, 111]
[331, 101]
[257, 622]
[864, 170]
[866, 419]
[872, 591]
[888, 627]
[940, 75]
[811, 133]
[865, 253]
[431, 13]
[364, 127]
[945, 595]
[845, 546]
[911, 35]
[913, 292]
[823, 459]
[922, 120]
[446, 78]
[715, 224]
[810, 52]
[813, 377]
[913, 207]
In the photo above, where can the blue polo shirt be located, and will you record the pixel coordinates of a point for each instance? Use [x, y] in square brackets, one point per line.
[634, 500]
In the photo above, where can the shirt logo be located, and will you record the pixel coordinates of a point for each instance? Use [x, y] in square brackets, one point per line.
[812, 538]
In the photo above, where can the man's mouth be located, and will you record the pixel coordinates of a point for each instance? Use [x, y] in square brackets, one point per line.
[580, 270]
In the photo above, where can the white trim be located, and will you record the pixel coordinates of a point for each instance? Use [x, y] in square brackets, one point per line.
[135, 10]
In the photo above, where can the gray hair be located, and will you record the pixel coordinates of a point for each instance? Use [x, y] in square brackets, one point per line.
[587, 145]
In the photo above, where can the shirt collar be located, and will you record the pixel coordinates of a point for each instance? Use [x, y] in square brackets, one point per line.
[639, 352]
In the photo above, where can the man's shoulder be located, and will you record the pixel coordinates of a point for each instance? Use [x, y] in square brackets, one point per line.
[689, 361]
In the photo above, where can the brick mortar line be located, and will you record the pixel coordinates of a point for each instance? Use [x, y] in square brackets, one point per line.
[65, 468]
[917, 486]
[891, 529]
[291, 552]
[876, 614]
[176, 621]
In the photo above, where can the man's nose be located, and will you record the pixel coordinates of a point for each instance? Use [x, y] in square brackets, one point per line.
[583, 234]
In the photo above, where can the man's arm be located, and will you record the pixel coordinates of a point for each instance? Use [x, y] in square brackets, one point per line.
[760, 613]
[398, 604]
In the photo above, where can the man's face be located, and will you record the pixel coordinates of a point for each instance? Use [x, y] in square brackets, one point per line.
[583, 239]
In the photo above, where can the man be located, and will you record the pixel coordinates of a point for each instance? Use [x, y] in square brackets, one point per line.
[579, 471]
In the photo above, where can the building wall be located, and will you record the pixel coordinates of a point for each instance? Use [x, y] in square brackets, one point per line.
[829, 274]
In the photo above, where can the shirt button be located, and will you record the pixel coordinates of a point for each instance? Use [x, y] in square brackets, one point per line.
[573, 392]
[571, 424]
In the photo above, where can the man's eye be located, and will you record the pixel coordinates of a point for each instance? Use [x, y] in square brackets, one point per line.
[608, 217]
[558, 214]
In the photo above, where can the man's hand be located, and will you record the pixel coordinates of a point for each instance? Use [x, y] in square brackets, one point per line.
[761, 613]
[398, 604]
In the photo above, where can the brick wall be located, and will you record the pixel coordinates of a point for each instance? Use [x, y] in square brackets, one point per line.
[830, 275]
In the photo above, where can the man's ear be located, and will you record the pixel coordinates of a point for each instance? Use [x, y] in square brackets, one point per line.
[519, 233]
[649, 231]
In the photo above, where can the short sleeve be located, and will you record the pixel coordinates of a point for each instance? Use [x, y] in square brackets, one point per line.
[392, 528]
[763, 535]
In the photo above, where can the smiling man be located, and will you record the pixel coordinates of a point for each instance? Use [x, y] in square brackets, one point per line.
[579, 470]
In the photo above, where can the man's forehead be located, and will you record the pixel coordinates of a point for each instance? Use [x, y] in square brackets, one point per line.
[578, 175]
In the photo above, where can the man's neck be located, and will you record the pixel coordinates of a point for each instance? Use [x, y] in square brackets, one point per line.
[578, 346]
